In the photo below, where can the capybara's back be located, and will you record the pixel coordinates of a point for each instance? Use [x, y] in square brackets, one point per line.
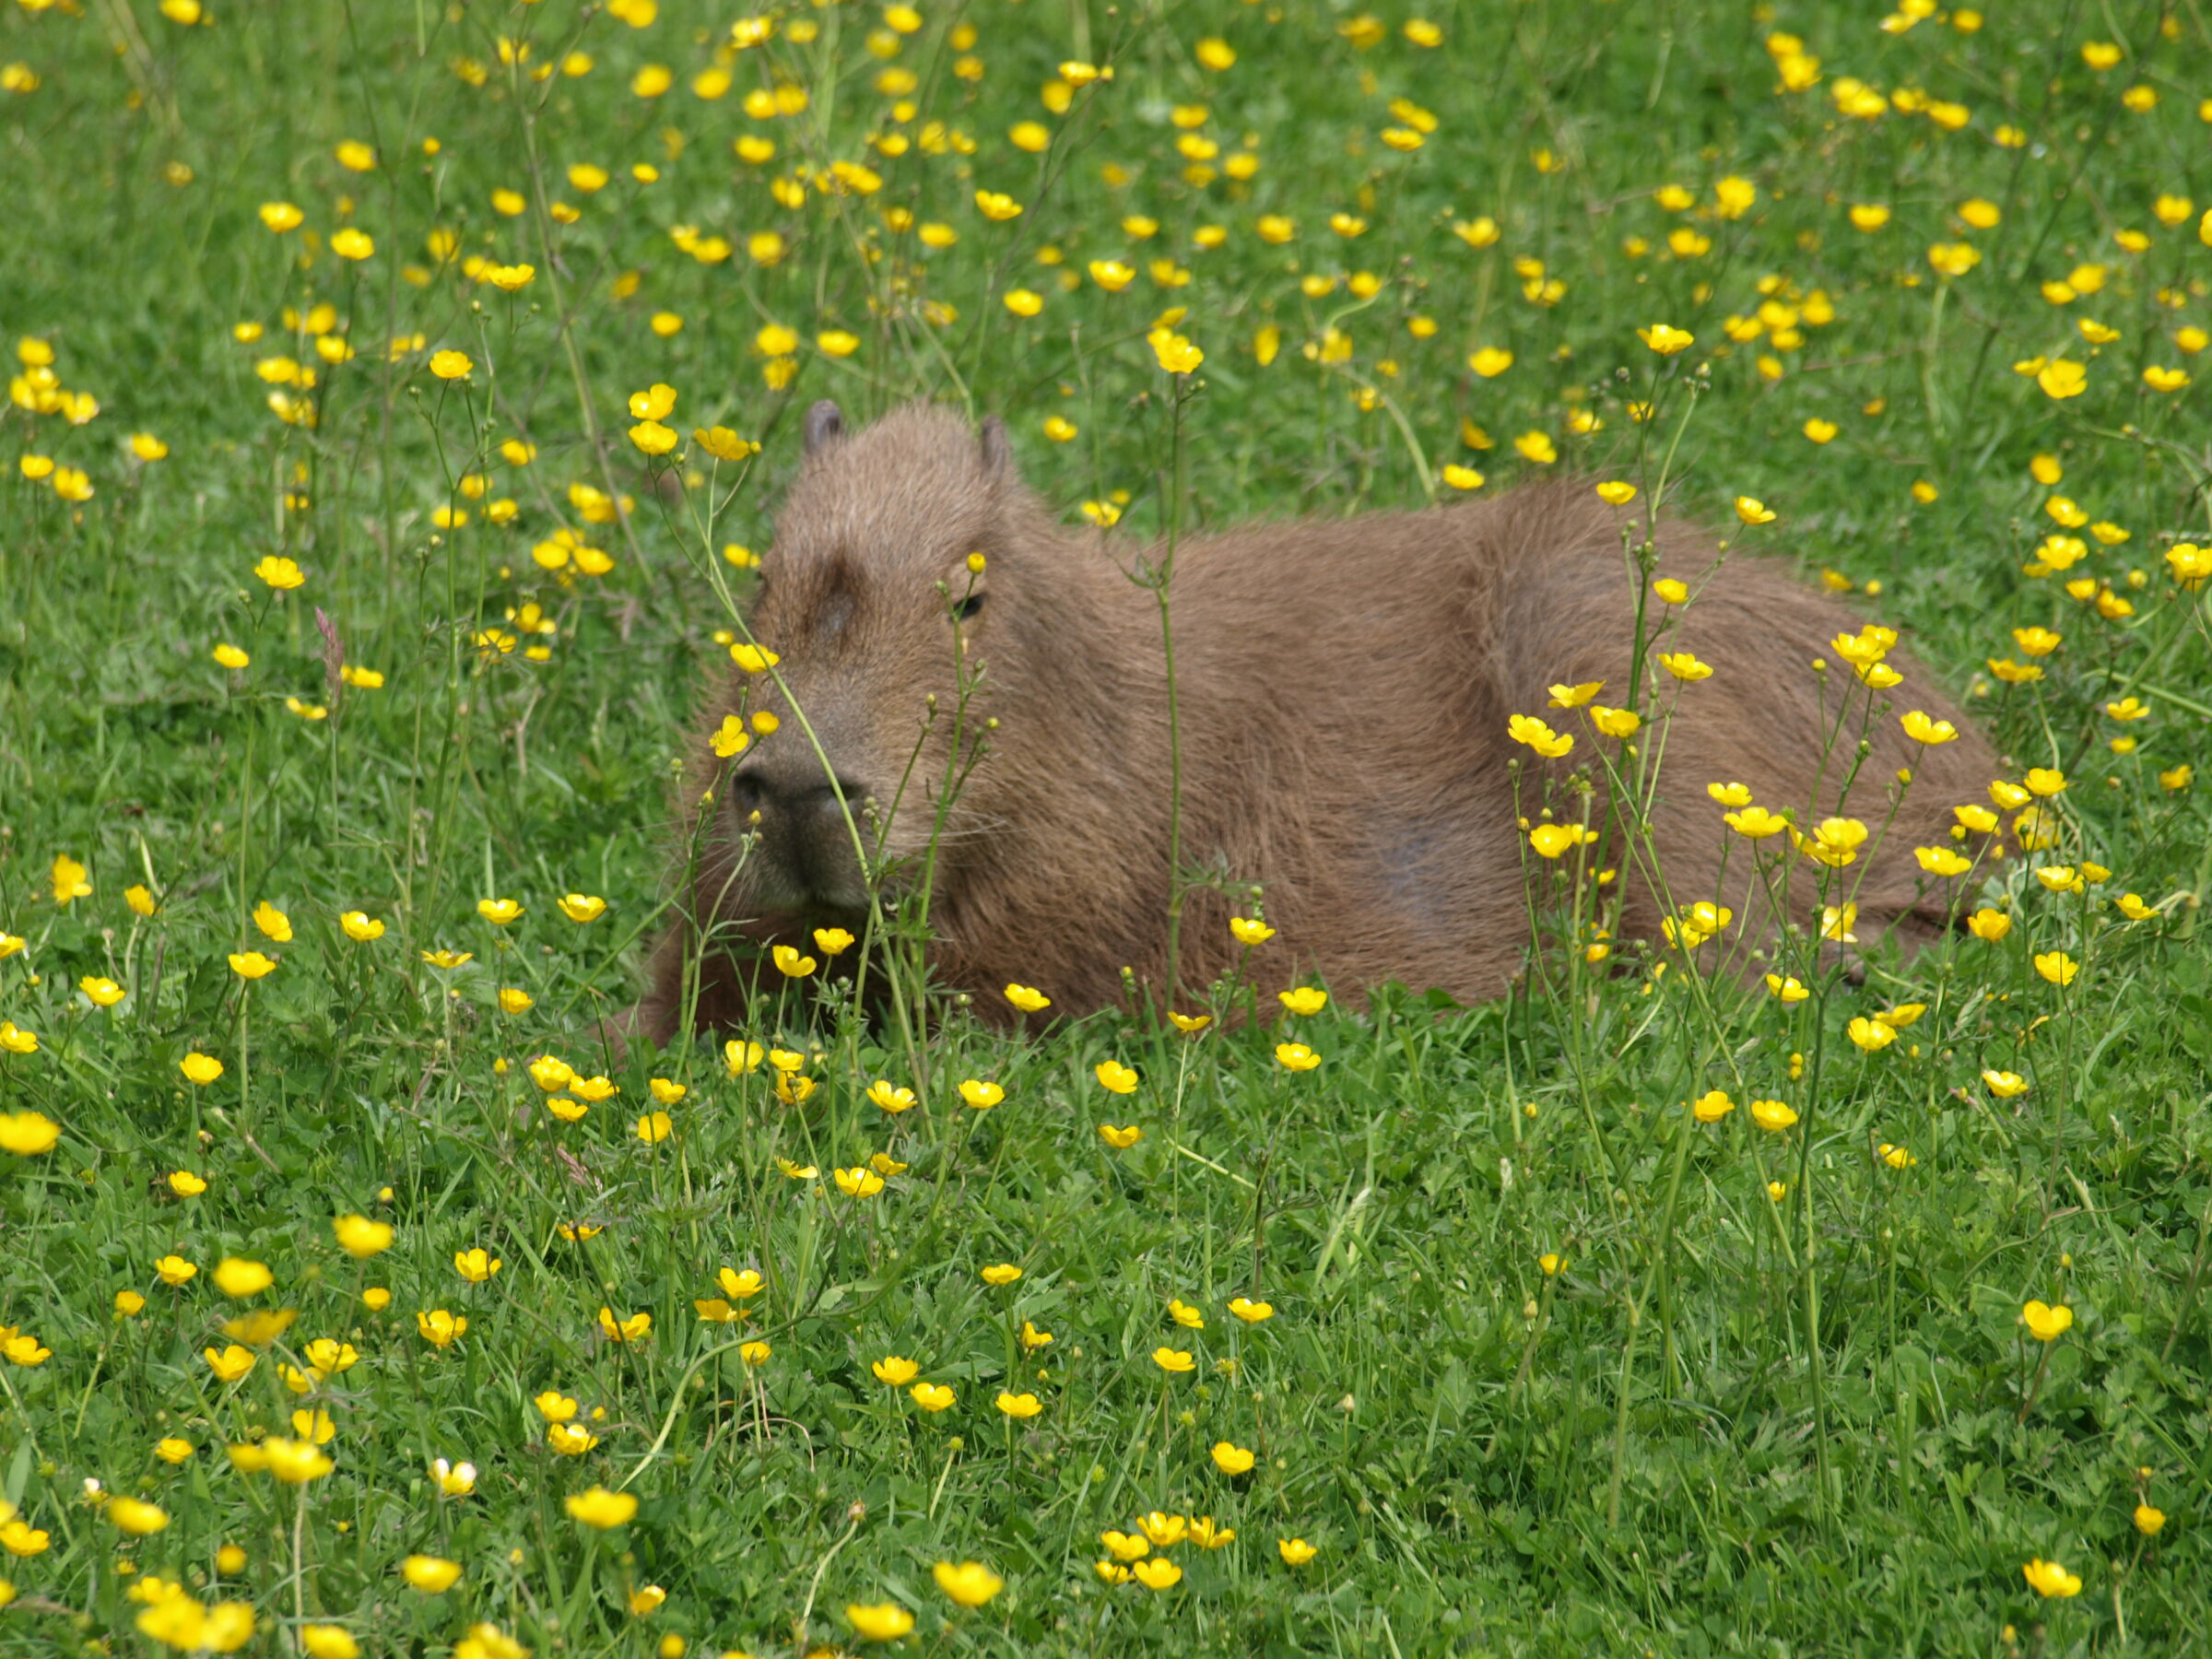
[1342, 720]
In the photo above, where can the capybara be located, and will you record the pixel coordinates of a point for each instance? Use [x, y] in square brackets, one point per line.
[1343, 692]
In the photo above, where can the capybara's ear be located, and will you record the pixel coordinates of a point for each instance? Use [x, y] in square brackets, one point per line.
[824, 424]
[998, 453]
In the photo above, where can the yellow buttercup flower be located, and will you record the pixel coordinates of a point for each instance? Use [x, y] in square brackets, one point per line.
[971, 1584]
[1175, 354]
[1755, 823]
[237, 1278]
[1942, 861]
[28, 1133]
[1953, 259]
[1163, 1531]
[1125, 1547]
[2057, 967]
[635, 1328]
[1870, 1034]
[880, 1621]
[100, 991]
[2062, 379]
[1989, 925]
[891, 1097]
[1537, 735]
[570, 1439]
[895, 1371]
[1835, 841]
[298, 1462]
[1773, 1115]
[441, 1328]
[602, 1509]
[1555, 841]
[360, 1238]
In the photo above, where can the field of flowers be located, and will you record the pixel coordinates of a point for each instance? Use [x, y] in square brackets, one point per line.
[400, 394]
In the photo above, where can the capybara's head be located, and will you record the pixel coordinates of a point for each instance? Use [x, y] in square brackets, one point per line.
[869, 599]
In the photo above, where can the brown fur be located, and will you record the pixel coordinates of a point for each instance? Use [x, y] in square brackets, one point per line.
[1343, 687]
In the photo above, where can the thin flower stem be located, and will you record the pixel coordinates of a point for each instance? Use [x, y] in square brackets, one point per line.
[2035, 1389]
[1620, 1407]
[1163, 580]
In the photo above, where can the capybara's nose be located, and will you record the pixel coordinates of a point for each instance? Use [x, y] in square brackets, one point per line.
[746, 794]
[805, 799]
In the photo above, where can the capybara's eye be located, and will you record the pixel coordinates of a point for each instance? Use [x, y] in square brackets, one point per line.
[969, 607]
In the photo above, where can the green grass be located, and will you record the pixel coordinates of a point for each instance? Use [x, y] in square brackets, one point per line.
[1655, 1451]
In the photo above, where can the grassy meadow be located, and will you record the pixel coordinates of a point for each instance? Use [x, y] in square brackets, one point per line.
[381, 483]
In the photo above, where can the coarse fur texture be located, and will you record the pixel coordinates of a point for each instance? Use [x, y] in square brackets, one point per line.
[1344, 689]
